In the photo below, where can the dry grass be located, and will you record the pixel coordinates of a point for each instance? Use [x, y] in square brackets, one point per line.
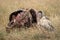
[50, 7]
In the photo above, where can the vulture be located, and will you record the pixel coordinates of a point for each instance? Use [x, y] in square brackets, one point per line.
[44, 22]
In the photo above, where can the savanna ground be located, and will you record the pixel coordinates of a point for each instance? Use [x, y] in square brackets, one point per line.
[50, 7]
